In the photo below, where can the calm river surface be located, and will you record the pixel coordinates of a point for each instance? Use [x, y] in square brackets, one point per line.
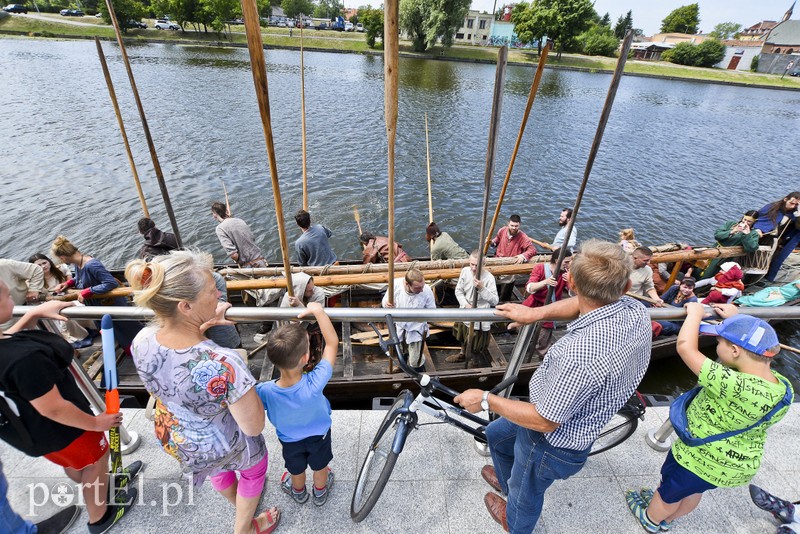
[678, 158]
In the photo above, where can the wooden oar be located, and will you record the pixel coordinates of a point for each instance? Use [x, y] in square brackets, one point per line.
[162, 184]
[546, 246]
[428, 154]
[537, 78]
[358, 220]
[257, 63]
[488, 173]
[790, 349]
[114, 102]
[227, 202]
[391, 53]
[598, 138]
[303, 117]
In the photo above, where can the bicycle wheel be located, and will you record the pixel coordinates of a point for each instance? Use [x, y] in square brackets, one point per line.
[620, 428]
[379, 463]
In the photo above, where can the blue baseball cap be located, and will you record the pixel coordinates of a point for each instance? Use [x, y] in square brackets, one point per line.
[747, 332]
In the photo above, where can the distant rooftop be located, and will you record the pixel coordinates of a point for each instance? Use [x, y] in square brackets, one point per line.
[785, 33]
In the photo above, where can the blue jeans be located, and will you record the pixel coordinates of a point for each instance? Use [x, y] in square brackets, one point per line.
[781, 255]
[10, 521]
[526, 464]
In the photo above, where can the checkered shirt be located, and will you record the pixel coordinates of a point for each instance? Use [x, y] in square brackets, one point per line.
[588, 375]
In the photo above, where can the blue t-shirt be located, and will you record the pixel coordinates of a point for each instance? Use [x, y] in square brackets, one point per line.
[299, 411]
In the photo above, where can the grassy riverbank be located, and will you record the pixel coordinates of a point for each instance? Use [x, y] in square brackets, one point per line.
[53, 25]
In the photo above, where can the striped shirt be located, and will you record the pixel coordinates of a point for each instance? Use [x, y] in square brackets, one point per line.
[592, 371]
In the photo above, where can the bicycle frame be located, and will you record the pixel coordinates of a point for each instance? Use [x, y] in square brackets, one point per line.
[425, 402]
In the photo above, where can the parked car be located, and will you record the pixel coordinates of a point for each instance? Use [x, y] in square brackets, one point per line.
[795, 72]
[136, 24]
[359, 27]
[162, 24]
[16, 8]
[71, 13]
[349, 26]
[322, 26]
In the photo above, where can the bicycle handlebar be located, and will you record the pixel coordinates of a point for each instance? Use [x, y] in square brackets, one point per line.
[393, 341]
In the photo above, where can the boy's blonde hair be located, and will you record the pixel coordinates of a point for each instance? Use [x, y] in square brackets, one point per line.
[287, 345]
[414, 275]
[601, 271]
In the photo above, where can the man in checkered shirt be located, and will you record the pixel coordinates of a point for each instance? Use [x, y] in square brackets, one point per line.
[584, 379]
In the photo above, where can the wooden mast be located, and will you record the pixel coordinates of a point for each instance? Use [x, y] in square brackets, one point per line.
[258, 66]
[488, 173]
[114, 102]
[162, 184]
[391, 48]
[303, 117]
[537, 78]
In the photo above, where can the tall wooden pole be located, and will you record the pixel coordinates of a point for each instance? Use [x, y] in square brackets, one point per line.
[428, 154]
[391, 53]
[537, 78]
[114, 102]
[259, 68]
[598, 138]
[162, 184]
[303, 116]
[488, 173]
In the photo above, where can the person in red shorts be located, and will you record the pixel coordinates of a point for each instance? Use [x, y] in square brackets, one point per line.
[46, 414]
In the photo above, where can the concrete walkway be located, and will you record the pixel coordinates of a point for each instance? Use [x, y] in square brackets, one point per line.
[435, 488]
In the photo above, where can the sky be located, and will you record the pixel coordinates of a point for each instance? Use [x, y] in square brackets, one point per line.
[648, 15]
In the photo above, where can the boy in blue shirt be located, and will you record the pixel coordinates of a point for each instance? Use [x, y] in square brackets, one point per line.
[297, 408]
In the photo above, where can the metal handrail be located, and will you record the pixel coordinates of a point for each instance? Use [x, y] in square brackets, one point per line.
[242, 314]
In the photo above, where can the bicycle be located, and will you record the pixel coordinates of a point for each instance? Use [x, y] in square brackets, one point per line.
[402, 418]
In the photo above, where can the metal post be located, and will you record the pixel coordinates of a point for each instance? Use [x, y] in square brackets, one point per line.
[130, 440]
[660, 439]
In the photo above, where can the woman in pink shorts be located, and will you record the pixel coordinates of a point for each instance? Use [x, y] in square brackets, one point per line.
[207, 414]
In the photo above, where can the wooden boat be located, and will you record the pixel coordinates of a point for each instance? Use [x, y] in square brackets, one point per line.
[363, 372]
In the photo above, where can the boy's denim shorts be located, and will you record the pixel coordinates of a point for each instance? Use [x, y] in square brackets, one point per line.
[314, 452]
[677, 482]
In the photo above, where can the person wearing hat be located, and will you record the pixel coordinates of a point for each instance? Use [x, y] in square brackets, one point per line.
[741, 396]
[677, 296]
[735, 234]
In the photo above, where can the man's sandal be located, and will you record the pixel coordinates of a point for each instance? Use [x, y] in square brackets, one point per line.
[272, 521]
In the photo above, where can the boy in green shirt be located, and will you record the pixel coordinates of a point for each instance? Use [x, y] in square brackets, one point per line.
[736, 394]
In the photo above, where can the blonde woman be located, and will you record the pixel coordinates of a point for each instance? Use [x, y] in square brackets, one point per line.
[92, 278]
[208, 415]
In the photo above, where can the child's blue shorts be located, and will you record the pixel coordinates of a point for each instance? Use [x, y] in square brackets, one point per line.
[314, 452]
[677, 482]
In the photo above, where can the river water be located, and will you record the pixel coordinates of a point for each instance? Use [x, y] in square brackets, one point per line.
[678, 158]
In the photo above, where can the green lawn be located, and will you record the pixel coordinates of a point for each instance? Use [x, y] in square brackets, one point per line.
[355, 42]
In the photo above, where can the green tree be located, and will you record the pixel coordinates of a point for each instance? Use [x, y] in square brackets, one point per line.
[606, 20]
[709, 53]
[706, 54]
[293, 8]
[684, 19]
[560, 20]
[427, 21]
[125, 10]
[372, 19]
[623, 25]
[328, 9]
[599, 41]
[725, 30]
[216, 13]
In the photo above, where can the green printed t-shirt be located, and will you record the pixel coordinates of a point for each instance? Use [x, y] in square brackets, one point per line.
[729, 400]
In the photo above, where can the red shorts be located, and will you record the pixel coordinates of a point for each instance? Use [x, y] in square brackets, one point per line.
[87, 449]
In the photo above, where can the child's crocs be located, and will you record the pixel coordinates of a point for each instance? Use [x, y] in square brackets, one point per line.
[647, 496]
[639, 510]
[286, 485]
[321, 497]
